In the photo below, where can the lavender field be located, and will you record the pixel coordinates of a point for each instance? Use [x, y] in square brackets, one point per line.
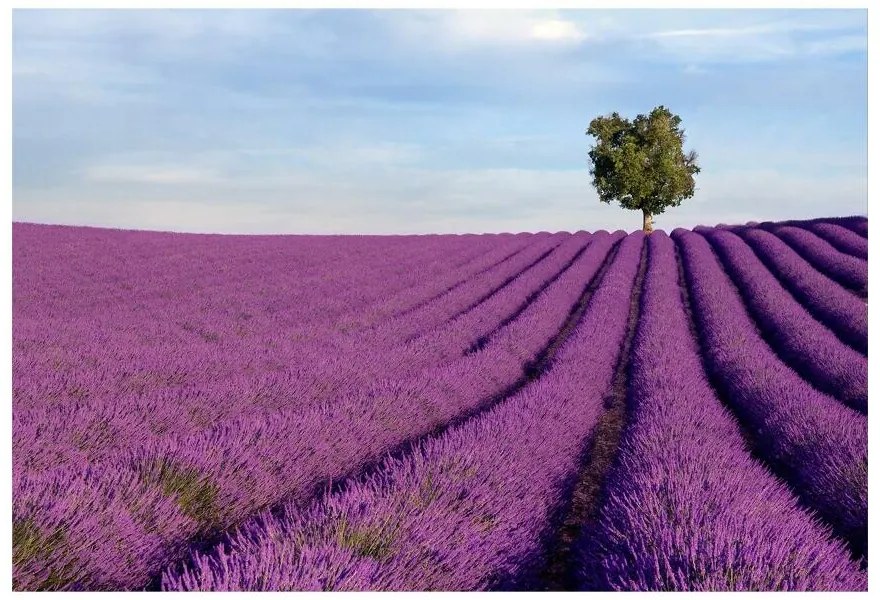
[565, 411]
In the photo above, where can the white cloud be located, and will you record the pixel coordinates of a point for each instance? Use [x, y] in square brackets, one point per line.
[408, 199]
[777, 40]
[151, 174]
[463, 29]
[332, 159]
[556, 29]
[781, 26]
[838, 45]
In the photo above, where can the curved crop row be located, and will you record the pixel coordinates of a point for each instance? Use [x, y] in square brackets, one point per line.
[168, 387]
[849, 271]
[460, 334]
[165, 312]
[244, 464]
[802, 342]
[494, 307]
[342, 377]
[817, 443]
[837, 308]
[414, 308]
[180, 409]
[434, 285]
[842, 238]
[468, 296]
[860, 227]
[102, 270]
[687, 508]
[455, 514]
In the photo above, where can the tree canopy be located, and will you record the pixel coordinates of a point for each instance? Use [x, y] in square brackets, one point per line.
[642, 163]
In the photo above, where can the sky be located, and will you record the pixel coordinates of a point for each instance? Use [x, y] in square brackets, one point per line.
[384, 122]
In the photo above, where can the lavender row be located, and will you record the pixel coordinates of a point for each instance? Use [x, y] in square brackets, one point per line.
[423, 306]
[179, 366]
[453, 338]
[842, 238]
[818, 444]
[436, 285]
[848, 222]
[444, 345]
[95, 422]
[423, 358]
[848, 271]
[460, 300]
[687, 508]
[245, 464]
[159, 267]
[452, 515]
[167, 321]
[860, 227]
[111, 344]
[806, 345]
[838, 309]
[462, 383]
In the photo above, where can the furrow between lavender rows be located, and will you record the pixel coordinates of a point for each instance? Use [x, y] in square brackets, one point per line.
[346, 375]
[848, 271]
[828, 302]
[803, 343]
[465, 299]
[860, 227]
[563, 263]
[460, 335]
[842, 238]
[687, 508]
[246, 464]
[228, 393]
[469, 509]
[575, 260]
[339, 333]
[489, 262]
[86, 346]
[584, 490]
[818, 445]
[431, 287]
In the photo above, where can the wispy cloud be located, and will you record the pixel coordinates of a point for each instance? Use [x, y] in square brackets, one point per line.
[151, 174]
[557, 30]
[393, 121]
[418, 200]
[841, 44]
[780, 39]
[748, 30]
[464, 29]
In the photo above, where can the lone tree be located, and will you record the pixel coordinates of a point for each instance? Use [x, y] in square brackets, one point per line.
[642, 163]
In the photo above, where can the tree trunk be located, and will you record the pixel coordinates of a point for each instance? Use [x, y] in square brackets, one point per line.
[647, 222]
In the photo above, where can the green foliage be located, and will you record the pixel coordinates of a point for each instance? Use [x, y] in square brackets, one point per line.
[641, 163]
[367, 541]
[31, 545]
[195, 494]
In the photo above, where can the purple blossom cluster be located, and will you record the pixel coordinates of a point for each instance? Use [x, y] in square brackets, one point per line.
[848, 270]
[411, 412]
[842, 238]
[464, 510]
[243, 463]
[860, 227]
[842, 312]
[687, 506]
[811, 439]
[802, 342]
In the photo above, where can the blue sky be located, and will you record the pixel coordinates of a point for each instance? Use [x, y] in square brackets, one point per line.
[425, 121]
